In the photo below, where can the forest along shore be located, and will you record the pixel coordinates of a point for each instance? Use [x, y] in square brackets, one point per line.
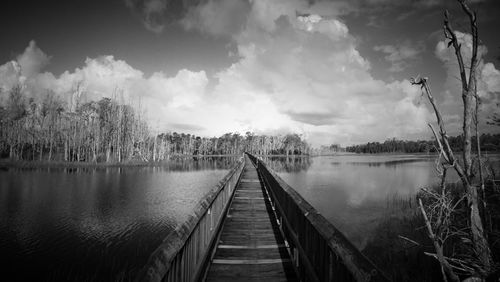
[108, 131]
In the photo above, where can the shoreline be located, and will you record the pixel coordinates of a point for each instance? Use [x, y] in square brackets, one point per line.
[422, 153]
[8, 163]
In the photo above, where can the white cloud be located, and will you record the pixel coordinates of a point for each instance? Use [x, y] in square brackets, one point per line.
[402, 55]
[32, 60]
[152, 13]
[488, 81]
[408, 3]
[219, 18]
[490, 76]
[319, 84]
[447, 55]
[106, 76]
[298, 71]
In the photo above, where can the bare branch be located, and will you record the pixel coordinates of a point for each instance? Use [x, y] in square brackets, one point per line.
[409, 240]
[446, 148]
[446, 269]
[473, 26]
[438, 139]
[450, 34]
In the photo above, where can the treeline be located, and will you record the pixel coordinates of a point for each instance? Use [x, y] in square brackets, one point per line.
[231, 144]
[488, 142]
[47, 129]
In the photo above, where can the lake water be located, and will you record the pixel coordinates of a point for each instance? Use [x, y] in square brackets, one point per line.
[102, 224]
[95, 224]
[353, 191]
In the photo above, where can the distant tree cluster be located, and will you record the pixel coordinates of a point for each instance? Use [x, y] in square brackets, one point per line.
[48, 129]
[488, 142]
[393, 146]
[229, 144]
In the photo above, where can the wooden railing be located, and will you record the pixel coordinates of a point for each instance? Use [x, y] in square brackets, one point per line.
[183, 254]
[319, 251]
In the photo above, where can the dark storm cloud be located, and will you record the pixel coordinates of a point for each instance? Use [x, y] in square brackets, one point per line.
[215, 17]
[395, 3]
[155, 14]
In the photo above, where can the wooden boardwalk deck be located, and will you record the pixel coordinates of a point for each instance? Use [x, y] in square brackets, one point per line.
[250, 246]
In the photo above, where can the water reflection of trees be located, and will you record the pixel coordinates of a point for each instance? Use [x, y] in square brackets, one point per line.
[194, 163]
[199, 163]
[288, 164]
[391, 163]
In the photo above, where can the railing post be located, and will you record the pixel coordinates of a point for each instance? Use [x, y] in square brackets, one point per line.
[330, 266]
[296, 257]
[211, 219]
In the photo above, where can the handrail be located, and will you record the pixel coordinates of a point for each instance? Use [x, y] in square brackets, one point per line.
[319, 250]
[183, 254]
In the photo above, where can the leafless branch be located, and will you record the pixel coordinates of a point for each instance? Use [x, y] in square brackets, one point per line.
[449, 34]
[446, 268]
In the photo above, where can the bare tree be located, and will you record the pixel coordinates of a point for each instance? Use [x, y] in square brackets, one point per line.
[464, 169]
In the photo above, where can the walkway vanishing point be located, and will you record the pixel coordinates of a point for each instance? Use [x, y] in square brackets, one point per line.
[254, 227]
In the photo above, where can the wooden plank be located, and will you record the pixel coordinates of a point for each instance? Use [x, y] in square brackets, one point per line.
[249, 190]
[249, 254]
[252, 272]
[244, 225]
[249, 261]
[246, 218]
[248, 233]
[275, 246]
[235, 241]
[252, 279]
[256, 236]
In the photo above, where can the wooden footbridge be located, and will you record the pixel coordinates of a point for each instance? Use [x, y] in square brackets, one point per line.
[254, 227]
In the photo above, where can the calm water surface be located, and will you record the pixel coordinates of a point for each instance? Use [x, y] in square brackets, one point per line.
[95, 224]
[102, 224]
[353, 191]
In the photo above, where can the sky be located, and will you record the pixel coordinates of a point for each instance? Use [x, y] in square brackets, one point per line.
[334, 71]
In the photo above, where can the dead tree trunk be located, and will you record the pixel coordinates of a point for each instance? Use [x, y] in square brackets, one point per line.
[480, 245]
[469, 92]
